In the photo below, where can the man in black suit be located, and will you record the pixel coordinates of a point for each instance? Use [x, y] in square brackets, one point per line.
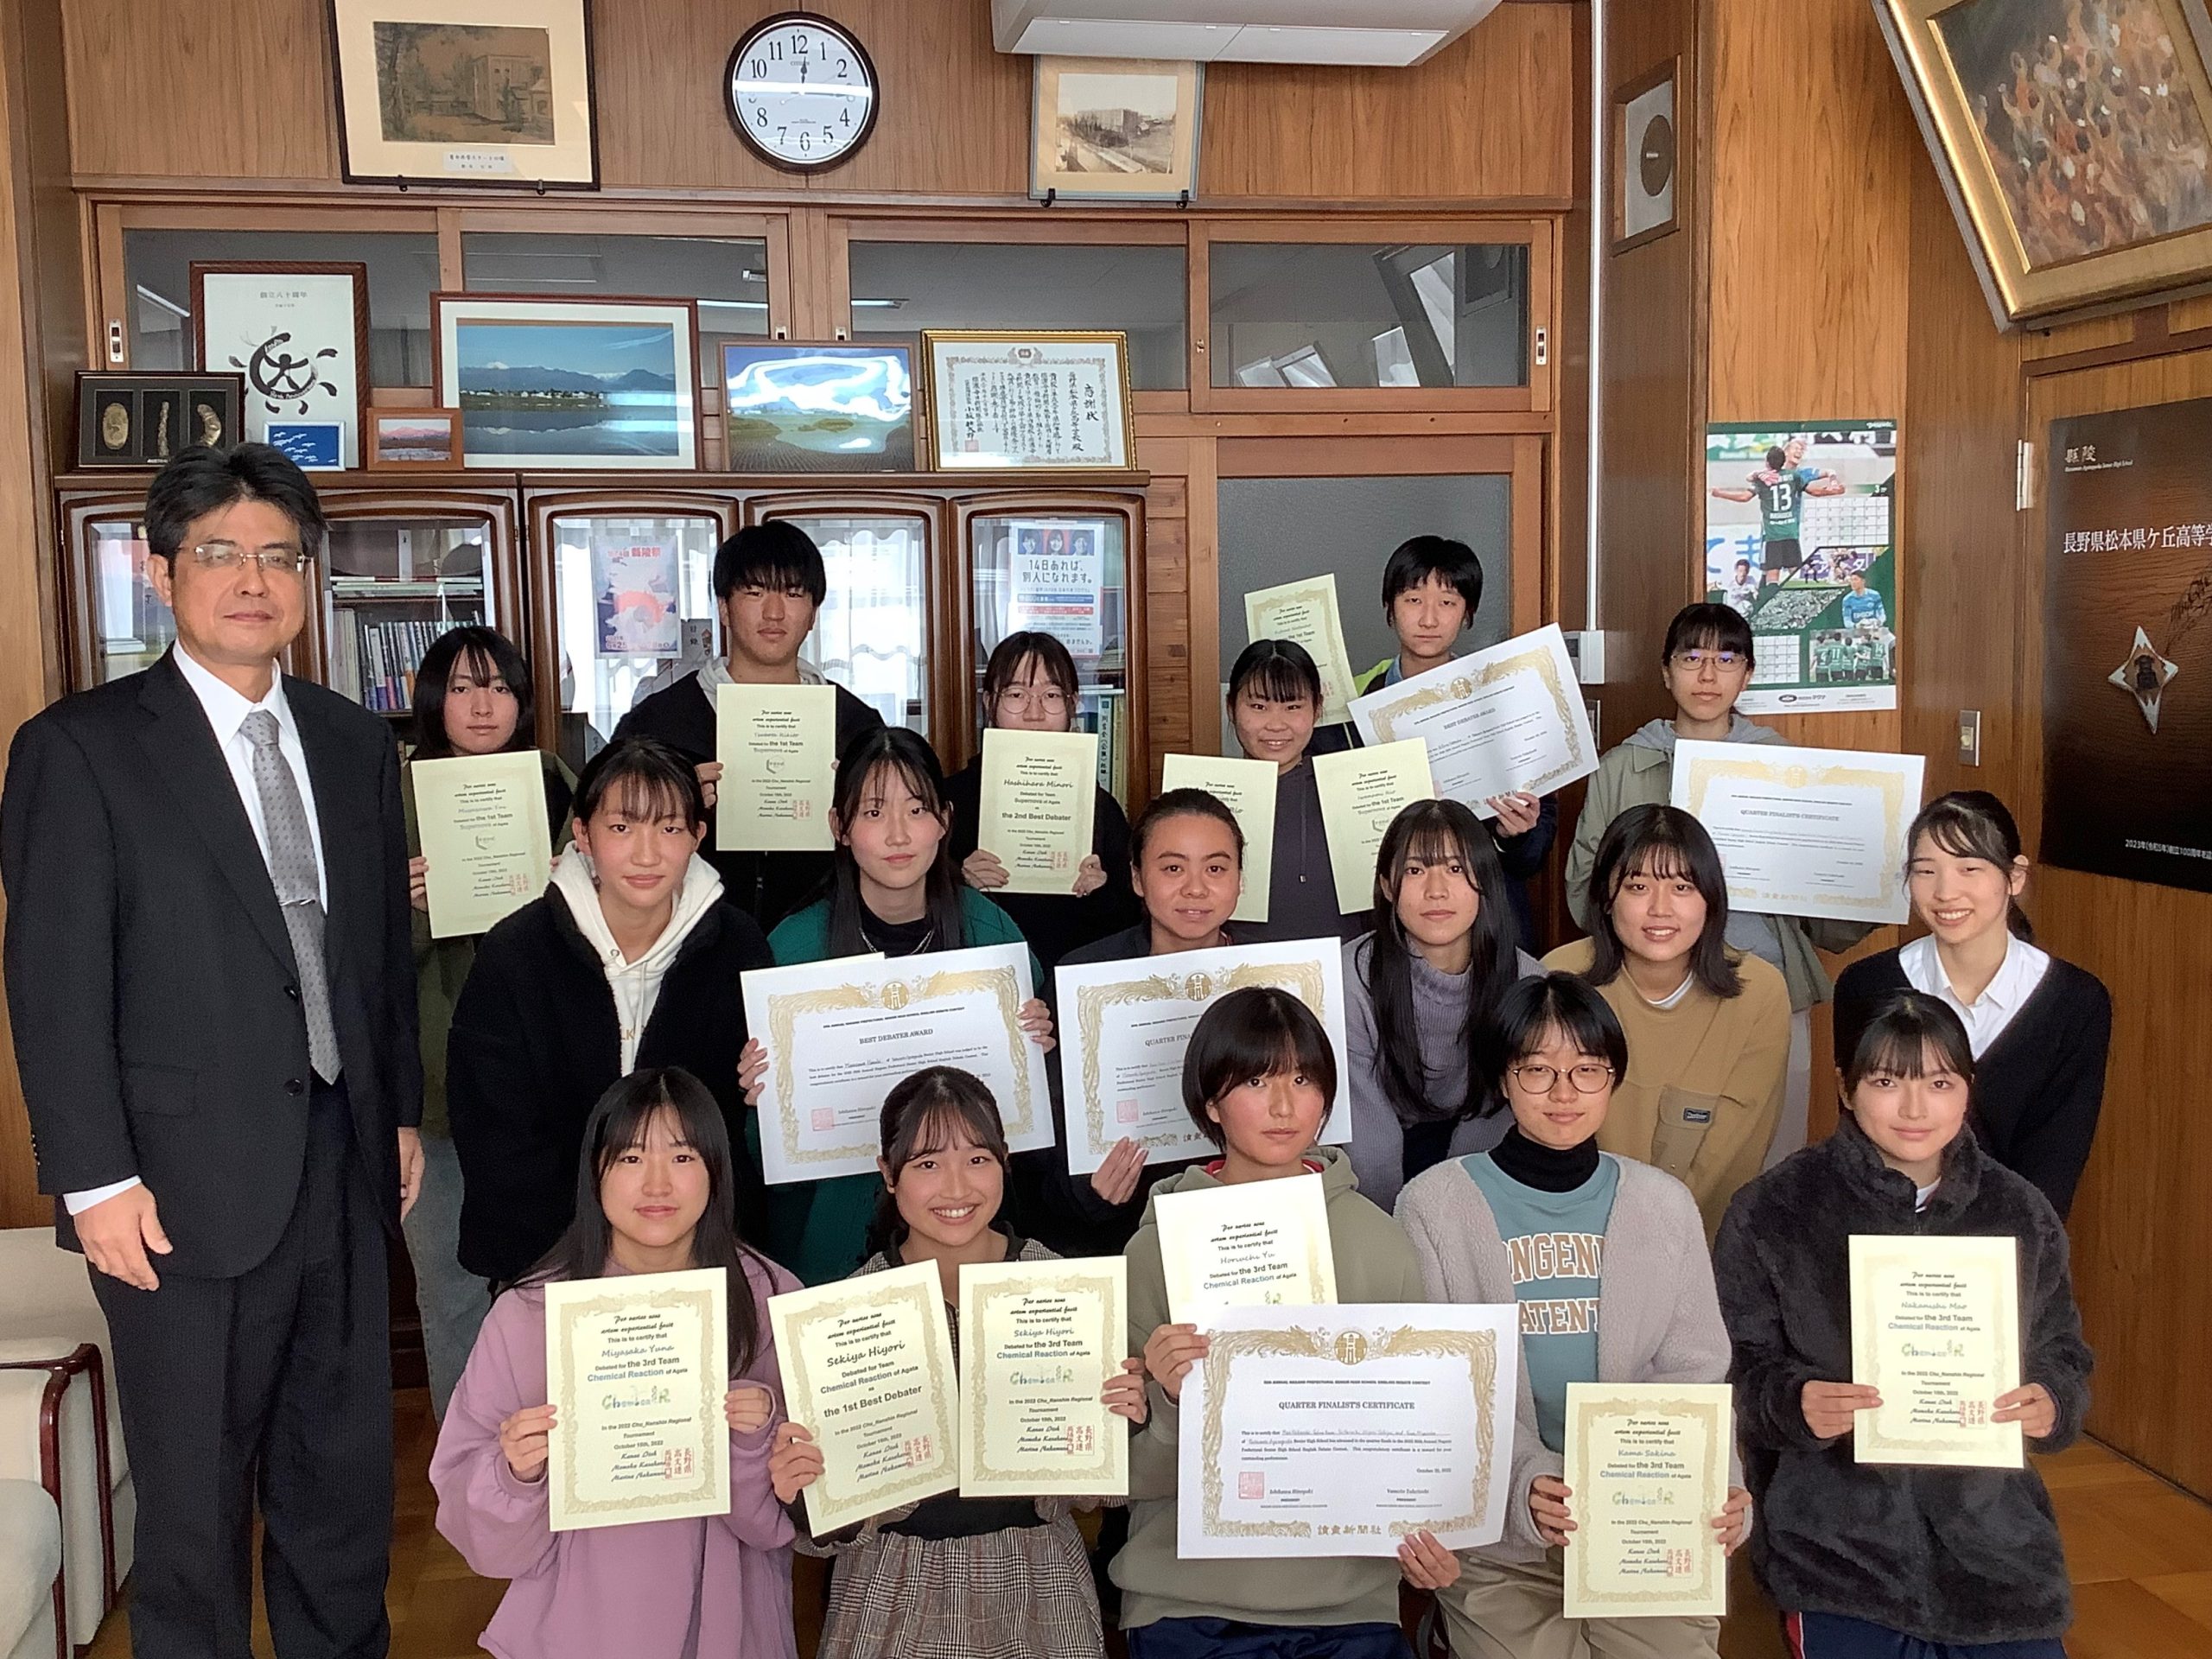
[212, 994]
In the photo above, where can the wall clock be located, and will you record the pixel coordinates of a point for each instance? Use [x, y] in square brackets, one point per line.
[801, 91]
[1646, 160]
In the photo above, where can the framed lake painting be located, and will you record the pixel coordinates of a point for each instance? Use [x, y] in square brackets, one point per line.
[611, 385]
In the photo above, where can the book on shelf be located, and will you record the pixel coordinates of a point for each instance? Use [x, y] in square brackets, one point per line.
[377, 660]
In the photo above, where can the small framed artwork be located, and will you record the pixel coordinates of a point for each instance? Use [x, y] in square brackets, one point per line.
[612, 385]
[413, 440]
[1646, 158]
[2070, 137]
[833, 406]
[1114, 129]
[314, 446]
[1006, 401]
[466, 91]
[142, 420]
[298, 332]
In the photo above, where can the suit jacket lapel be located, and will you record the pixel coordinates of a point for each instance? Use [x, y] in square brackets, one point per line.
[181, 746]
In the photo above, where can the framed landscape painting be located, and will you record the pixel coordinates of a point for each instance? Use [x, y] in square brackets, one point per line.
[838, 406]
[608, 384]
[2073, 139]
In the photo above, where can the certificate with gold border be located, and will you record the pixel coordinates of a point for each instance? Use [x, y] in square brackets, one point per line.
[1038, 1341]
[1306, 612]
[778, 745]
[867, 1365]
[1648, 1464]
[1343, 1431]
[839, 1034]
[1124, 1025]
[1361, 791]
[1246, 788]
[636, 1367]
[1805, 832]
[1040, 794]
[1261, 1244]
[1504, 719]
[1935, 1330]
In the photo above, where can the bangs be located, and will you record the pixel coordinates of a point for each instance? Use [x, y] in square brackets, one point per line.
[877, 784]
[1434, 841]
[1277, 680]
[473, 660]
[1658, 860]
[1900, 1054]
[1911, 1035]
[1963, 835]
[646, 800]
[772, 569]
[947, 1121]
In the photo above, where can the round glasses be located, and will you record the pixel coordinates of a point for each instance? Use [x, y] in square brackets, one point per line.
[1536, 1078]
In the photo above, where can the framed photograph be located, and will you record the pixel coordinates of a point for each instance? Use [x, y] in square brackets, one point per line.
[1646, 158]
[831, 406]
[1114, 129]
[466, 91]
[142, 420]
[300, 335]
[413, 440]
[2072, 138]
[1004, 400]
[314, 446]
[608, 384]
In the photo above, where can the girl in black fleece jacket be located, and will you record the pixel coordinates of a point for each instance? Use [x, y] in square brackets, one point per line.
[1881, 1560]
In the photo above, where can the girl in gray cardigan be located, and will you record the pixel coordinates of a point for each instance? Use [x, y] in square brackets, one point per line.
[1607, 1259]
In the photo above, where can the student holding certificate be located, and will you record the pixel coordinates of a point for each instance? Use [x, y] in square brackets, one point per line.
[1864, 1558]
[1708, 1026]
[2040, 1026]
[1030, 685]
[1704, 665]
[1274, 697]
[471, 696]
[656, 1162]
[1257, 1079]
[954, 1577]
[1420, 992]
[1550, 1222]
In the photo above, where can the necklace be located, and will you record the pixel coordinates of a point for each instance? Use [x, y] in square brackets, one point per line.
[920, 948]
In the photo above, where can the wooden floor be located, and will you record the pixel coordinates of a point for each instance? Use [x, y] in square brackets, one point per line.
[2140, 1550]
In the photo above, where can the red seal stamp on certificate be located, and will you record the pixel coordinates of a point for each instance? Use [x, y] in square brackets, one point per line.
[1251, 1484]
[918, 1451]
[1126, 1111]
[825, 1119]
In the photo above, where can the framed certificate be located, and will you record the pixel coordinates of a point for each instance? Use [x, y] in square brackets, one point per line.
[867, 1365]
[1936, 1327]
[486, 847]
[840, 1034]
[1648, 1464]
[1004, 400]
[1805, 832]
[1040, 793]
[1038, 1341]
[1263, 1244]
[636, 1367]
[1343, 1431]
[1125, 1025]
[1306, 612]
[1361, 791]
[1506, 718]
[778, 745]
[1246, 788]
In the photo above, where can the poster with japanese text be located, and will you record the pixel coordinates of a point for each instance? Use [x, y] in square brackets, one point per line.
[634, 585]
[1056, 582]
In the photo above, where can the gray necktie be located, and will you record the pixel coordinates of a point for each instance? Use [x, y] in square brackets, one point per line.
[291, 868]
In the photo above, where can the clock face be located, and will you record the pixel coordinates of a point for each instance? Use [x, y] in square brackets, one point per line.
[801, 91]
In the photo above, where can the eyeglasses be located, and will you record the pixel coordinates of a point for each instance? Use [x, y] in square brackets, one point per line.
[1535, 1079]
[1692, 662]
[279, 560]
[1045, 702]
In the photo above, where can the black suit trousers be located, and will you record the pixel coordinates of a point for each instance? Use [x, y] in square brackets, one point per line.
[275, 1383]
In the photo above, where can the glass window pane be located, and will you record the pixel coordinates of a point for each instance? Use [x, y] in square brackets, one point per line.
[1065, 575]
[1277, 530]
[870, 632]
[402, 272]
[727, 276]
[390, 587]
[597, 687]
[1341, 314]
[131, 627]
[899, 288]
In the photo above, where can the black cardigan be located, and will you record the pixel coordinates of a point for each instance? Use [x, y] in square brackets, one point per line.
[2038, 1089]
[767, 887]
[1947, 1556]
[1053, 924]
[536, 1041]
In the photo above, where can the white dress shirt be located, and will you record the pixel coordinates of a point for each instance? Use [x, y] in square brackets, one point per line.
[226, 710]
[1988, 1016]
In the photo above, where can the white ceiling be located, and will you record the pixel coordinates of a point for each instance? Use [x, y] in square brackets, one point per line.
[1389, 33]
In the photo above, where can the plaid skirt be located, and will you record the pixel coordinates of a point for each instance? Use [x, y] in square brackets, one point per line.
[1025, 1592]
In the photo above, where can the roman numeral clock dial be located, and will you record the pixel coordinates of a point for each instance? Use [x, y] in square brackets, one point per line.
[801, 92]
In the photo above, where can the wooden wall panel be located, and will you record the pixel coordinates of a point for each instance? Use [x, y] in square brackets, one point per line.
[1168, 599]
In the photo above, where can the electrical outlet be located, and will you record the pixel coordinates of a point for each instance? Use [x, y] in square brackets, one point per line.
[1969, 737]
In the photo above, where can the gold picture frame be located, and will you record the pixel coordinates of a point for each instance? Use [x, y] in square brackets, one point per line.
[2073, 141]
[1114, 129]
[983, 389]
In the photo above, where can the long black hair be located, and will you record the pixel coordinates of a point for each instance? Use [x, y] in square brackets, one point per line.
[1909, 1034]
[1434, 832]
[617, 1123]
[1973, 823]
[910, 756]
[1666, 844]
[486, 654]
[923, 1113]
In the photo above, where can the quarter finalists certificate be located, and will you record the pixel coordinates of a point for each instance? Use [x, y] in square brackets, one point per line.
[1246, 788]
[867, 1365]
[1648, 1464]
[1124, 1027]
[1935, 1328]
[1805, 832]
[839, 1034]
[1265, 1244]
[778, 745]
[1341, 1431]
[485, 845]
[1040, 790]
[1306, 614]
[1361, 791]
[1509, 718]
[636, 1367]
[1038, 1341]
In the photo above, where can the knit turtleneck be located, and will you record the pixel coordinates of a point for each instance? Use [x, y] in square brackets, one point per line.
[1547, 1169]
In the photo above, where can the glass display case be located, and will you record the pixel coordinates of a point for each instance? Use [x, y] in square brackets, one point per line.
[117, 624]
